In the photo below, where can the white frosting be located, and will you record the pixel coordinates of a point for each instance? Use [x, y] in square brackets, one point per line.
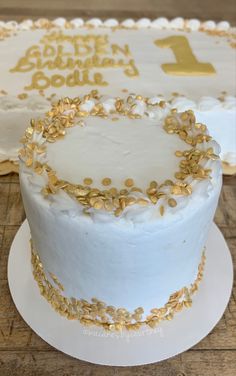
[11, 134]
[111, 22]
[77, 22]
[128, 23]
[223, 26]
[143, 23]
[209, 103]
[102, 144]
[193, 24]
[160, 23]
[177, 23]
[60, 22]
[209, 25]
[25, 25]
[96, 22]
[139, 258]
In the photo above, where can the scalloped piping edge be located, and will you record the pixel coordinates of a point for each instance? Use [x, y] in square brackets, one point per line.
[159, 23]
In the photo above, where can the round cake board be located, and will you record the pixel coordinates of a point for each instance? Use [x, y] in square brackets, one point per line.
[126, 348]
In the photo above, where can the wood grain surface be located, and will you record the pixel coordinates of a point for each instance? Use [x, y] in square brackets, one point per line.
[22, 352]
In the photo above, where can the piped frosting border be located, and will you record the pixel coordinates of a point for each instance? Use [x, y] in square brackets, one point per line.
[158, 23]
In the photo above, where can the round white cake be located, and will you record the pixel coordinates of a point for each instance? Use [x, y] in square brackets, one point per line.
[119, 195]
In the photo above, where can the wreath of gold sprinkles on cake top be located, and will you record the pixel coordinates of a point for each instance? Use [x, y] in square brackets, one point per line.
[69, 112]
[109, 317]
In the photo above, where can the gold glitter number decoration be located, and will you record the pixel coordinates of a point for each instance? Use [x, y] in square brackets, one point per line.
[187, 64]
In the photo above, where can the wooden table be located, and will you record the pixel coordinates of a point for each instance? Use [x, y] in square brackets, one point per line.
[22, 352]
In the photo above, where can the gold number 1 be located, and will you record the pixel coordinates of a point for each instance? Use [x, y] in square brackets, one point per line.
[187, 64]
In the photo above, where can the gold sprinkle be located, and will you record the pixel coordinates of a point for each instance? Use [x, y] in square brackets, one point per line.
[118, 211]
[151, 191]
[162, 104]
[153, 184]
[129, 182]
[88, 181]
[154, 199]
[172, 202]
[113, 191]
[136, 189]
[162, 210]
[142, 202]
[97, 203]
[178, 153]
[22, 96]
[108, 205]
[130, 201]
[106, 181]
[184, 116]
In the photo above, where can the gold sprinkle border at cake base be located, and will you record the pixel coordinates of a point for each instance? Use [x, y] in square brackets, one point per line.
[109, 317]
[67, 113]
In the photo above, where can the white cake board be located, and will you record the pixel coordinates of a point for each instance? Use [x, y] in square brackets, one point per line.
[126, 348]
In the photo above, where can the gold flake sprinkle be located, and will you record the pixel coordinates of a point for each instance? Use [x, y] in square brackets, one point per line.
[172, 202]
[106, 181]
[129, 182]
[22, 96]
[88, 181]
[142, 202]
[162, 210]
[153, 184]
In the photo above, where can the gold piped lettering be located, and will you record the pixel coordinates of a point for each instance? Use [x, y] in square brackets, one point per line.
[40, 81]
[76, 54]
[117, 49]
[131, 70]
[186, 62]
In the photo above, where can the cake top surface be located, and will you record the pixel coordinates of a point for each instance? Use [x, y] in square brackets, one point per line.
[112, 155]
[178, 60]
[118, 148]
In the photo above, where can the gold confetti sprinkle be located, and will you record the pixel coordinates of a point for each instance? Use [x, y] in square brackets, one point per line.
[162, 210]
[179, 153]
[22, 96]
[129, 182]
[142, 202]
[172, 202]
[88, 181]
[106, 181]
